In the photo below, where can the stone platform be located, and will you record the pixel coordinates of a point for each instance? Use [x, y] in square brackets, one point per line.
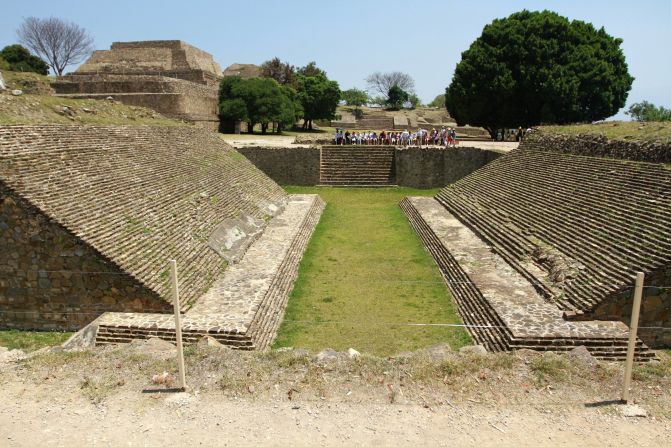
[243, 308]
[503, 309]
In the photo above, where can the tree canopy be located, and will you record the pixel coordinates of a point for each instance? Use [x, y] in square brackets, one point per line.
[18, 58]
[646, 111]
[538, 67]
[380, 83]
[438, 101]
[319, 97]
[280, 71]
[58, 42]
[257, 100]
[396, 97]
[355, 97]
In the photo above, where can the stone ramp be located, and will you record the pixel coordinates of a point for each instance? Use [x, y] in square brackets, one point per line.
[244, 308]
[354, 165]
[503, 309]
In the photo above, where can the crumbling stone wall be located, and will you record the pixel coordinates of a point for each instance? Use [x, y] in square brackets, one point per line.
[598, 146]
[655, 319]
[39, 284]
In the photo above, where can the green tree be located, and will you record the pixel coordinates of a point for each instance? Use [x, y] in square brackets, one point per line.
[538, 67]
[256, 100]
[18, 58]
[414, 101]
[396, 96]
[646, 111]
[311, 69]
[280, 71]
[318, 96]
[355, 97]
[438, 101]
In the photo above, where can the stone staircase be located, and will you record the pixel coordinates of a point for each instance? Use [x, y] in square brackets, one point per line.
[357, 166]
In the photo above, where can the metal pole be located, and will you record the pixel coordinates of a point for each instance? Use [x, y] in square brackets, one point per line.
[178, 324]
[633, 329]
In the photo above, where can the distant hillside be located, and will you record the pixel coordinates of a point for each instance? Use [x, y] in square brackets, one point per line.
[657, 132]
[37, 106]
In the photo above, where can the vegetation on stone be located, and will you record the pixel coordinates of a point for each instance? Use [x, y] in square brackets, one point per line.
[538, 67]
[364, 275]
[18, 58]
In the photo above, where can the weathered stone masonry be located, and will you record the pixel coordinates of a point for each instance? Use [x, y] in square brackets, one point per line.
[116, 199]
[412, 167]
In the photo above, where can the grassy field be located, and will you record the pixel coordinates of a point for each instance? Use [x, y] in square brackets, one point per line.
[365, 272]
[31, 341]
[659, 132]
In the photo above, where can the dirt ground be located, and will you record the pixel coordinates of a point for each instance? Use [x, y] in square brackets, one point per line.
[111, 396]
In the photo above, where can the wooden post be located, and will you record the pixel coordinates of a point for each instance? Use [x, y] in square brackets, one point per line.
[633, 329]
[178, 324]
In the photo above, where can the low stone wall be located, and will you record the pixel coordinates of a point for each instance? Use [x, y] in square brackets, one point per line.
[598, 146]
[655, 320]
[415, 168]
[437, 167]
[286, 165]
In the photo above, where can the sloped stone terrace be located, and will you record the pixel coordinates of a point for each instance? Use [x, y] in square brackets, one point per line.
[139, 196]
[577, 227]
[501, 308]
[245, 306]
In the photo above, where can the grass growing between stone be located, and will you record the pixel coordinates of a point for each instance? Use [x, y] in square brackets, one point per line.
[364, 277]
[31, 341]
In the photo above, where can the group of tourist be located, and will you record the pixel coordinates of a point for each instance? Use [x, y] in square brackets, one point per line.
[439, 137]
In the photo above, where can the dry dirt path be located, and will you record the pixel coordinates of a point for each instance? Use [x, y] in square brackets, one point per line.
[43, 416]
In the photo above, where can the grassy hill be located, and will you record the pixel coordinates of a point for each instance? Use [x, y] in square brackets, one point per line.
[37, 105]
[656, 132]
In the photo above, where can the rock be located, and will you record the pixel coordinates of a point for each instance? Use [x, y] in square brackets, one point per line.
[17, 92]
[3, 86]
[109, 98]
[327, 355]
[11, 355]
[154, 346]
[439, 351]
[353, 353]
[85, 338]
[473, 349]
[91, 111]
[209, 342]
[583, 355]
[633, 411]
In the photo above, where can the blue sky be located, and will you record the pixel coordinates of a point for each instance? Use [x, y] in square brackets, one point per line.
[351, 39]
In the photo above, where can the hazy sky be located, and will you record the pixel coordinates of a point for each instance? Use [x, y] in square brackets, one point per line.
[351, 39]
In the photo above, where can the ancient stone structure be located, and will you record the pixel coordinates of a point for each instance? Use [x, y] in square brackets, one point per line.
[171, 77]
[91, 215]
[543, 247]
[363, 165]
[245, 71]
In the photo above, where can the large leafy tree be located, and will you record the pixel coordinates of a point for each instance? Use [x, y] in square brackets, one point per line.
[257, 100]
[18, 58]
[318, 96]
[538, 67]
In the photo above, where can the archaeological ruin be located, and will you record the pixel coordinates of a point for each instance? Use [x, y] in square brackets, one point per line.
[540, 248]
[169, 76]
[90, 216]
